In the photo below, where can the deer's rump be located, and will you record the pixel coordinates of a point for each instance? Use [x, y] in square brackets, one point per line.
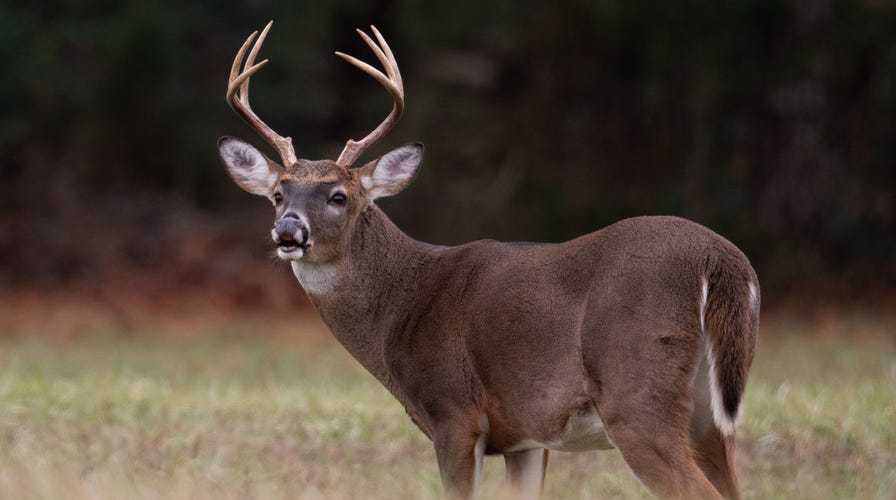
[557, 332]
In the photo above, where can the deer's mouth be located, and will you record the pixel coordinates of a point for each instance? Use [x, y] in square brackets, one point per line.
[291, 239]
[287, 245]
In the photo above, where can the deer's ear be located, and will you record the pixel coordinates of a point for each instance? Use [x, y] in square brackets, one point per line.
[247, 166]
[392, 172]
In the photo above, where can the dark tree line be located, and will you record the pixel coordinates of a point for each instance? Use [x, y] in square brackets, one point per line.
[771, 122]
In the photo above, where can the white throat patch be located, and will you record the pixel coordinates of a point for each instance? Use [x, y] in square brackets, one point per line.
[318, 279]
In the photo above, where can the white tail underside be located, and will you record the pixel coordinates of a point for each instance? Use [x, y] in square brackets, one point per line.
[723, 421]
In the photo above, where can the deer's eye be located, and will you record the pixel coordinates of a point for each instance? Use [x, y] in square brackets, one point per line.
[338, 199]
[278, 198]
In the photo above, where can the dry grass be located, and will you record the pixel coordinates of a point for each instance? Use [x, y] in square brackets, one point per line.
[135, 410]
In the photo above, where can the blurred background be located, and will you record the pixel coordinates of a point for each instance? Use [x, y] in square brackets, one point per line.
[773, 123]
[151, 346]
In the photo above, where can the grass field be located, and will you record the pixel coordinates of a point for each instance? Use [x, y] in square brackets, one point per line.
[140, 410]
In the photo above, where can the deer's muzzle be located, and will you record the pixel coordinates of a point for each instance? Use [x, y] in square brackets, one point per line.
[291, 237]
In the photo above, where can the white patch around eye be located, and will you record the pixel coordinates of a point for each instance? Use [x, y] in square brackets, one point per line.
[333, 192]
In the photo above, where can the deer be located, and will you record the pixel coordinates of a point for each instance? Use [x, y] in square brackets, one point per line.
[638, 336]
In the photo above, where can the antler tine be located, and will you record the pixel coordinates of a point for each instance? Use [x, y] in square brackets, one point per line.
[235, 67]
[392, 67]
[238, 96]
[392, 83]
[250, 61]
[387, 60]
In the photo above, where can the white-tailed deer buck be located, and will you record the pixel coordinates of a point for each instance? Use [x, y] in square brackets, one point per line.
[637, 337]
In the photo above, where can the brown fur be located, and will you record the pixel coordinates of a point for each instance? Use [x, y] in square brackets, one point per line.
[714, 454]
[601, 341]
[529, 333]
[732, 324]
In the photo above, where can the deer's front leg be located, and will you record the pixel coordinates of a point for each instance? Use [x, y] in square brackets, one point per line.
[525, 472]
[459, 451]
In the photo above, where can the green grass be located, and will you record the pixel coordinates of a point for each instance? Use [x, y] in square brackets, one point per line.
[135, 411]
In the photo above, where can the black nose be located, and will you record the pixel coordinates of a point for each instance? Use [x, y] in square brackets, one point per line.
[290, 228]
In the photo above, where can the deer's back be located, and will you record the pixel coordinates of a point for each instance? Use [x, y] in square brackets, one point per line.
[638, 257]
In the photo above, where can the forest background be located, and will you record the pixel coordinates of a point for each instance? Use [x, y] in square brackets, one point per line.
[773, 123]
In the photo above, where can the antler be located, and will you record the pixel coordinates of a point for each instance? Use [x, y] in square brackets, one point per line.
[391, 81]
[238, 97]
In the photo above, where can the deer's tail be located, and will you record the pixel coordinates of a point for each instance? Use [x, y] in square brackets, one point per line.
[729, 318]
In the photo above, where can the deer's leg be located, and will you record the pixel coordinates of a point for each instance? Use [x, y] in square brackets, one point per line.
[459, 452]
[643, 391]
[713, 453]
[650, 426]
[525, 472]
[661, 460]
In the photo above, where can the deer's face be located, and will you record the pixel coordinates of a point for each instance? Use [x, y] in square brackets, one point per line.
[316, 203]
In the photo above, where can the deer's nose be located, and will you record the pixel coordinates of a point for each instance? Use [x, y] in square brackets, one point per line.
[290, 228]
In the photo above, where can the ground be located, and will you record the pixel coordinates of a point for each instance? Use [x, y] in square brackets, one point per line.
[252, 406]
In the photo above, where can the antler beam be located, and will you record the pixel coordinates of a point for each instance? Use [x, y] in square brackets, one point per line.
[391, 81]
[238, 97]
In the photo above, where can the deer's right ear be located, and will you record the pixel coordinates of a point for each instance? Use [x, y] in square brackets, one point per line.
[392, 172]
[247, 166]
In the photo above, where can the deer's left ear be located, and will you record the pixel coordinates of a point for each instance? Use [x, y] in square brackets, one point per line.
[247, 166]
[392, 172]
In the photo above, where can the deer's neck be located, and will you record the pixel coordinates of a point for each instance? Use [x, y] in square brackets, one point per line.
[368, 296]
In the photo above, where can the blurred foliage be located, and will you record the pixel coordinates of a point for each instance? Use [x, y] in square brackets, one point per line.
[770, 122]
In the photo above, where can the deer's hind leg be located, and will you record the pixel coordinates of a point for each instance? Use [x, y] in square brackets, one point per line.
[642, 388]
[713, 451]
[661, 460]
